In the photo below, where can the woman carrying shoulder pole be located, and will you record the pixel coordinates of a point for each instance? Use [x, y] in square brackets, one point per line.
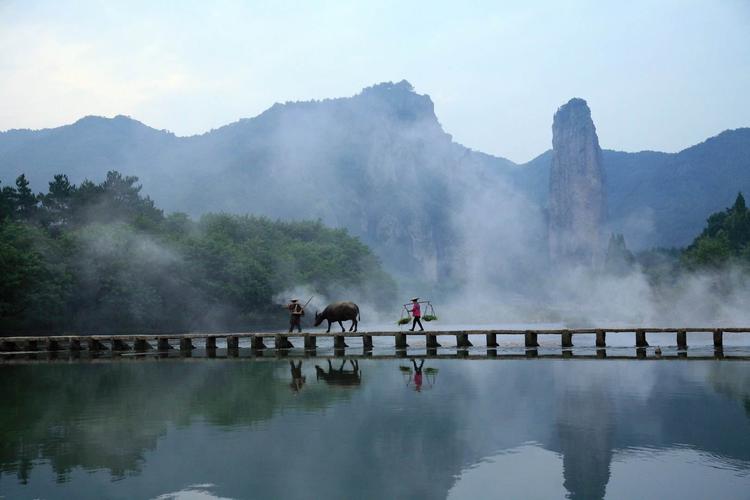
[416, 312]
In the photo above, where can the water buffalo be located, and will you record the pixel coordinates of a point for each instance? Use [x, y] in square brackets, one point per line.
[340, 376]
[339, 311]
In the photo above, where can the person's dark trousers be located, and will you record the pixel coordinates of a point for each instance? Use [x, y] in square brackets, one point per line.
[294, 321]
[415, 322]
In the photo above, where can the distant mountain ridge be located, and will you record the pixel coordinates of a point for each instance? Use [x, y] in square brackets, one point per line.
[379, 164]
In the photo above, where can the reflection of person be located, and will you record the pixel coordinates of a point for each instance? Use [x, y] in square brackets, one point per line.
[416, 312]
[418, 375]
[296, 311]
[297, 379]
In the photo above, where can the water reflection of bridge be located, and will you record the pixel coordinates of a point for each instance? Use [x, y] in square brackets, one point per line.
[282, 342]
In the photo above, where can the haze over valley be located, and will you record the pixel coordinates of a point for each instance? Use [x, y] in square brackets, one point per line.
[440, 216]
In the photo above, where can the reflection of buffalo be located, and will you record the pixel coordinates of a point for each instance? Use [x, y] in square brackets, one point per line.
[338, 312]
[340, 377]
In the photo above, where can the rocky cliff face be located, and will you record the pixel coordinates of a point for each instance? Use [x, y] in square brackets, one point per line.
[378, 164]
[577, 202]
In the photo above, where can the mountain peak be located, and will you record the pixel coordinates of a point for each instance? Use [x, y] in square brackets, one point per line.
[576, 109]
[400, 100]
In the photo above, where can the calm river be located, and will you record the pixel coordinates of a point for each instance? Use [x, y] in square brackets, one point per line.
[250, 427]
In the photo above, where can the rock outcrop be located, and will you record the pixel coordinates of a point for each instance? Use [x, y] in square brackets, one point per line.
[577, 201]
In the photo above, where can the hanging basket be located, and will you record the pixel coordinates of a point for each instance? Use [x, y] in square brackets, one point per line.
[430, 316]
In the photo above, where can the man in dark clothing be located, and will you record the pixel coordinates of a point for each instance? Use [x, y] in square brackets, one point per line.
[296, 311]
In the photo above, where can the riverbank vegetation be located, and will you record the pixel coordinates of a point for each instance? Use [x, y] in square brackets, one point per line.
[103, 258]
[722, 247]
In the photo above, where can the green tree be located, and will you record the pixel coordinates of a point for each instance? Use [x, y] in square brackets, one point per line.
[25, 200]
[56, 204]
[726, 238]
[7, 202]
[35, 284]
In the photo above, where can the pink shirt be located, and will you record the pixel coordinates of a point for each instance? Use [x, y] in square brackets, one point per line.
[416, 310]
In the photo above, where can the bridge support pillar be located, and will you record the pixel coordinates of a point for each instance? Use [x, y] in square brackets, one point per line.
[162, 344]
[491, 340]
[52, 345]
[233, 342]
[640, 352]
[367, 342]
[682, 339]
[718, 339]
[310, 342]
[257, 343]
[141, 345]
[530, 339]
[282, 342]
[95, 345]
[8, 346]
[601, 353]
[640, 338]
[186, 344]
[120, 345]
[75, 344]
[401, 341]
[210, 343]
[432, 342]
[567, 339]
[31, 345]
[462, 340]
[601, 338]
[339, 342]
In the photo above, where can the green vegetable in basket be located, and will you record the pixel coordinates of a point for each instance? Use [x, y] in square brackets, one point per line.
[403, 321]
[429, 317]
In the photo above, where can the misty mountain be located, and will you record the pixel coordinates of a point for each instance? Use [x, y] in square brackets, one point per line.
[379, 164]
[661, 199]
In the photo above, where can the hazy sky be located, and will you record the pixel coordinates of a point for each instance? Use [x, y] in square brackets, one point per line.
[657, 74]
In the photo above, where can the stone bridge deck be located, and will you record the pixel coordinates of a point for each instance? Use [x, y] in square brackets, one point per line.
[184, 341]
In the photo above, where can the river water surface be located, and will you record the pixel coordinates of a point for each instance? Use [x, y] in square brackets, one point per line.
[474, 427]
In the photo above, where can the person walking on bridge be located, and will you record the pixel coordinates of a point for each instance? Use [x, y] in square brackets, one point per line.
[296, 311]
[416, 312]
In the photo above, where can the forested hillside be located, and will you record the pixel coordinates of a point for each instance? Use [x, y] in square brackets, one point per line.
[102, 257]
[380, 165]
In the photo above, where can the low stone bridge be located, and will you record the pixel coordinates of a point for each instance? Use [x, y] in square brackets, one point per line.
[282, 341]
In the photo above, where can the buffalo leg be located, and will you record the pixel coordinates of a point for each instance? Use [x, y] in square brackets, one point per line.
[329, 326]
[342, 326]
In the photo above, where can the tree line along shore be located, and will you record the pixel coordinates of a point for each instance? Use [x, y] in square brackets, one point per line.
[104, 258]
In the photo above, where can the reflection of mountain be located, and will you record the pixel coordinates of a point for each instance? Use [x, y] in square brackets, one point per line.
[586, 416]
[735, 385]
[239, 426]
[107, 415]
